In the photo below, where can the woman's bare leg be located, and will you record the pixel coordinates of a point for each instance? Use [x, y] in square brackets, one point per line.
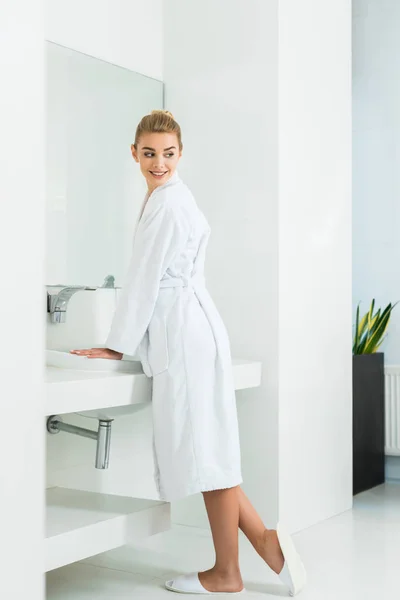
[223, 513]
[265, 541]
[227, 511]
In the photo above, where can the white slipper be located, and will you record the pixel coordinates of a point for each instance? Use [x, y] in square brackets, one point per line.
[190, 584]
[293, 574]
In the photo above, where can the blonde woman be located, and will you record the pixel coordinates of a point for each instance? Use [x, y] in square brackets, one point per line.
[167, 318]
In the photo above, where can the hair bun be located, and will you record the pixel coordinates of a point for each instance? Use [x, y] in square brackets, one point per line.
[164, 112]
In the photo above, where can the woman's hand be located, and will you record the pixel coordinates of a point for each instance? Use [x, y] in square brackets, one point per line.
[99, 353]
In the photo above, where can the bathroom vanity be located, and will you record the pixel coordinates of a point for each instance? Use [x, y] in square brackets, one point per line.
[82, 523]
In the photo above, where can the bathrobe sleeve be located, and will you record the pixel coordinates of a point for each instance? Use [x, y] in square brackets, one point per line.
[160, 236]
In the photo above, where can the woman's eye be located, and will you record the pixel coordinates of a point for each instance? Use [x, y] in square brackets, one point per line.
[151, 154]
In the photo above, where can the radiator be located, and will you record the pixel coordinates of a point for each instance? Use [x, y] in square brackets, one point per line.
[392, 410]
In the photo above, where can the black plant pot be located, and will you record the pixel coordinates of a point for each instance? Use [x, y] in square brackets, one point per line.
[368, 421]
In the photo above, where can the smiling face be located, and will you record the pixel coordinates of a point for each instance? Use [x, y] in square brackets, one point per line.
[158, 155]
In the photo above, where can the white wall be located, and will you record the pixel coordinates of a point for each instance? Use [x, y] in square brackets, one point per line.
[275, 185]
[22, 298]
[127, 33]
[376, 187]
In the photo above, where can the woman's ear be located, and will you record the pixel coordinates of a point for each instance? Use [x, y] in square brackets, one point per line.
[134, 153]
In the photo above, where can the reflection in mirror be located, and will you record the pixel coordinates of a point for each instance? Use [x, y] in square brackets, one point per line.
[94, 187]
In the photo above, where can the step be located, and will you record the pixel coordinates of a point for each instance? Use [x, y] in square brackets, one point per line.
[82, 524]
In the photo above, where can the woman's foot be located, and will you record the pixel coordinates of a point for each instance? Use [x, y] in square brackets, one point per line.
[221, 581]
[270, 550]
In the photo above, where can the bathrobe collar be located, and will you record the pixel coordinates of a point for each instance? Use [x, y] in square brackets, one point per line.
[171, 181]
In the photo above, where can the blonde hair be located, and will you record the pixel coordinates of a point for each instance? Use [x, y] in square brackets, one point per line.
[158, 121]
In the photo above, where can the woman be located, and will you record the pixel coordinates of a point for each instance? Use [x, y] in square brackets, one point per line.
[167, 318]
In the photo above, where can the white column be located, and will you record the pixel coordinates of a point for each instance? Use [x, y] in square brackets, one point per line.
[315, 316]
[22, 298]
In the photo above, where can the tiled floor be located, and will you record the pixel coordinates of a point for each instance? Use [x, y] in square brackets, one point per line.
[354, 556]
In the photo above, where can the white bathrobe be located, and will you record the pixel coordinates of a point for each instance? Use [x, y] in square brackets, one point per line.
[167, 318]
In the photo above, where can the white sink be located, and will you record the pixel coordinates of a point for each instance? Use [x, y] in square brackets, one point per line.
[63, 359]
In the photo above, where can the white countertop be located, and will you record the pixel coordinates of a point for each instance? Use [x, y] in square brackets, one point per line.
[69, 391]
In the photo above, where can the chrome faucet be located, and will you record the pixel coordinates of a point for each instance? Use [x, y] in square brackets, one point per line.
[109, 282]
[57, 303]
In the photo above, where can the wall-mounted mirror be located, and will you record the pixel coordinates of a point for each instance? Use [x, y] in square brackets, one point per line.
[94, 188]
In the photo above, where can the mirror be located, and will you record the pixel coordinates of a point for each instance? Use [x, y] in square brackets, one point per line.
[94, 188]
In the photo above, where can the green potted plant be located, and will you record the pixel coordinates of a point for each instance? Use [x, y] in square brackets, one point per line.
[369, 398]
